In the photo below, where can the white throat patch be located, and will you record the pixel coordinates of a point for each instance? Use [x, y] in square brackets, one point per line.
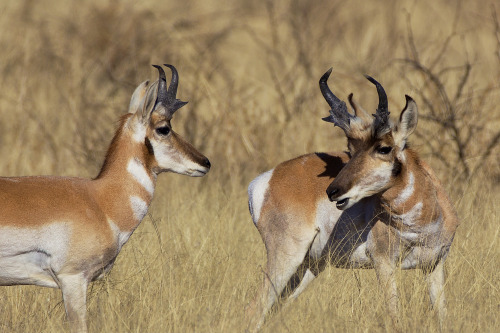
[407, 192]
[139, 207]
[410, 217]
[138, 131]
[138, 171]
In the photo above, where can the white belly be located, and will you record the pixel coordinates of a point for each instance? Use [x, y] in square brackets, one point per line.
[29, 255]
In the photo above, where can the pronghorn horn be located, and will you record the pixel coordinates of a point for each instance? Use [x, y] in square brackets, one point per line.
[381, 122]
[166, 97]
[162, 96]
[339, 115]
[174, 103]
[174, 82]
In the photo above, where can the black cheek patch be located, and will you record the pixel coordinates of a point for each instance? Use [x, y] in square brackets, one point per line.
[396, 169]
[149, 147]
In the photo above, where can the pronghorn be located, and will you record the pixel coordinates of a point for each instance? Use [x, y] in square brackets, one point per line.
[65, 232]
[390, 210]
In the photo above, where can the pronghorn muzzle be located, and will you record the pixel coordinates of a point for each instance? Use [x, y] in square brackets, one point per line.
[334, 192]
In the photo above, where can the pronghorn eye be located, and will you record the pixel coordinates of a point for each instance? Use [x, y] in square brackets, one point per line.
[384, 150]
[163, 130]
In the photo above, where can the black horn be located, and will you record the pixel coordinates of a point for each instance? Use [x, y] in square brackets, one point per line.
[338, 112]
[167, 97]
[162, 87]
[381, 123]
[174, 82]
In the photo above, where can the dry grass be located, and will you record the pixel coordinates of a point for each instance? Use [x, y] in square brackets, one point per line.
[250, 72]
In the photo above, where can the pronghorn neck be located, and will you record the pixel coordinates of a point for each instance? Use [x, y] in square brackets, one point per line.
[126, 181]
[413, 196]
[129, 141]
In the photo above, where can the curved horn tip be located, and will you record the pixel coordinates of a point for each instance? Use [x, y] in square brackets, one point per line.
[372, 80]
[161, 71]
[325, 76]
[172, 68]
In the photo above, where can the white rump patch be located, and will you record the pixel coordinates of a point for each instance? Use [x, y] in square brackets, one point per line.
[138, 171]
[139, 207]
[256, 194]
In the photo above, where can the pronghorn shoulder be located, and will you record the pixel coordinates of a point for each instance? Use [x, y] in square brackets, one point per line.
[312, 165]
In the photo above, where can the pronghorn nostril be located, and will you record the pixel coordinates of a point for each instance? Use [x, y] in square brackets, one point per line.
[207, 163]
[331, 193]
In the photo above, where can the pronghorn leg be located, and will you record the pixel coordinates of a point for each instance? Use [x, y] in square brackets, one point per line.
[383, 249]
[386, 271]
[74, 290]
[308, 271]
[307, 278]
[284, 256]
[435, 281]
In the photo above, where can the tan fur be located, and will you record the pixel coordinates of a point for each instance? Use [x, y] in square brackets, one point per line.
[71, 229]
[287, 222]
[402, 216]
[297, 184]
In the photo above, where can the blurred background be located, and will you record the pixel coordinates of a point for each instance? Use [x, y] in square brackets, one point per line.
[250, 72]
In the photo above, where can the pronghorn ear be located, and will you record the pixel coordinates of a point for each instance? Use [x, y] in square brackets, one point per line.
[143, 99]
[407, 122]
[138, 97]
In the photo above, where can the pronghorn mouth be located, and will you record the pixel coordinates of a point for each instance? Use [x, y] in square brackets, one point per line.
[341, 204]
[198, 172]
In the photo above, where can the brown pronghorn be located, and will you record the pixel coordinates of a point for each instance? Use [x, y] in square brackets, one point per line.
[390, 210]
[64, 232]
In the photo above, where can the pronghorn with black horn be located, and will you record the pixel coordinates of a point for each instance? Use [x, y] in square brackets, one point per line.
[64, 232]
[390, 209]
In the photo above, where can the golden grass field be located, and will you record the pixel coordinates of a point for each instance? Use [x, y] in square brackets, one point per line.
[250, 71]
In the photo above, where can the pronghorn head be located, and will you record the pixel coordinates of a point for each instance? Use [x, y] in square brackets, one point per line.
[376, 147]
[153, 106]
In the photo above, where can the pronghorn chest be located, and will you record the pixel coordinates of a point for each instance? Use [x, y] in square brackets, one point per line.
[416, 226]
[120, 236]
[105, 262]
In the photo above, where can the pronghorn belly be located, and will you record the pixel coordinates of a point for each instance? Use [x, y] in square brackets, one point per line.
[257, 193]
[26, 268]
[31, 255]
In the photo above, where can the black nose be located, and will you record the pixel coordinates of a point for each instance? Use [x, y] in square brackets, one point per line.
[207, 163]
[332, 193]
